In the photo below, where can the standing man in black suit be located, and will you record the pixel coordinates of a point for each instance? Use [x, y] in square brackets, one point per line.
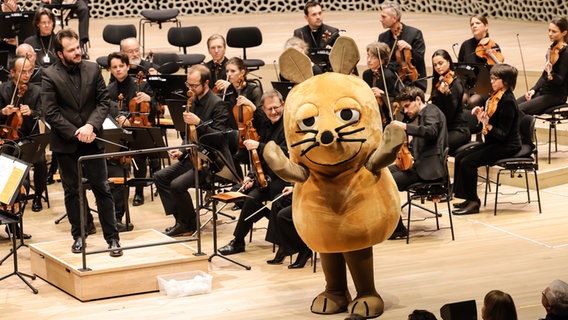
[76, 102]
[172, 182]
[429, 140]
[405, 37]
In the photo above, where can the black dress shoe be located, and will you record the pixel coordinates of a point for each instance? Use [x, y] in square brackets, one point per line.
[233, 247]
[460, 205]
[138, 200]
[471, 208]
[278, 257]
[399, 234]
[77, 246]
[179, 229]
[121, 227]
[116, 252]
[301, 259]
[36, 204]
[50, 180]
[91, 229]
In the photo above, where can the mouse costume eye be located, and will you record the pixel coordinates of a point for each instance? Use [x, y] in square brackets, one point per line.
[307, 123]
[348, 115]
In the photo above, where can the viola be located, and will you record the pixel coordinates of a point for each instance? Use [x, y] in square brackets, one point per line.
[445, 81]
[490, 107]
[191, 133]
[139, 111]
[406, 70]
[404, 159]
[255, 159]
[380, 101]
[487, 49]
[243, 116]
[15, 120]
[552, 56]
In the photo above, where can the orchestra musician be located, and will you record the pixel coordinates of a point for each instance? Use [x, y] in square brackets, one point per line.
[75, 101]
[25, 50]
[552, 87]
[21, 69]
[500, 120]
[472, 52]
[173, 181]
[374, 77]
[82, 11]
[406, 38]
[42, 41]
[447, 94]
[316, 34]
[270, 129]
[216, 45]
[129, 88]
[429, 140]
[131, 48]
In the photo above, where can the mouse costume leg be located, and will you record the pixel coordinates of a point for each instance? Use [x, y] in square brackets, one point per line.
[368, 302]
[336, 297]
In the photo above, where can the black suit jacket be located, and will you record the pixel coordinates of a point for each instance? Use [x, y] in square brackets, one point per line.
[30, 98]
[67, 108]
[430, 139]
[314, 40]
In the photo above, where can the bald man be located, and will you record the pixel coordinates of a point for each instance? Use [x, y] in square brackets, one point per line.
[25, 50]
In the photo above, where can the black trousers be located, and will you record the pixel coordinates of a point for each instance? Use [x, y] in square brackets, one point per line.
[96, 173]
[539, 103]
[40, 176]
[273, 231]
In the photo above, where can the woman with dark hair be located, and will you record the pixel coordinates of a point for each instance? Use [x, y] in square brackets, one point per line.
[42, 41]
[447, 94]
[498, 305]
[552, 87]
[473, 52]
[500, 121]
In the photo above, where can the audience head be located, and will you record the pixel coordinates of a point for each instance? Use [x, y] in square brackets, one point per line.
[44, 21]
[498, 305]
[20, 70]
[313, 14]
[66, 46]
[118, 64]
[411, 101]
[272, 105]
[26, 50]
[198, 79]
[216, 45]
[479, 26]
[421, 315]
[505, 73]
[555, 298]
[377, 51]
[559, 29]
[131, 48]
[390, 14]
[297, 44]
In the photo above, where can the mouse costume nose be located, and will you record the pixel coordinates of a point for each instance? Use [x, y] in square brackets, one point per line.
[326, 137]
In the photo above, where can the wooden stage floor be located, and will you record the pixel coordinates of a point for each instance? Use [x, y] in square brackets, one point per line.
[518, 251]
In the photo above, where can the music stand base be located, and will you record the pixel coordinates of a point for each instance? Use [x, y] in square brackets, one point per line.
[21, 276]
[216, 254]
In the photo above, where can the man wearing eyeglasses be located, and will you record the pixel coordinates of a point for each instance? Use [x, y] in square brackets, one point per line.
[209, 116]
[555, 300]
[21, 70]
[131, 48]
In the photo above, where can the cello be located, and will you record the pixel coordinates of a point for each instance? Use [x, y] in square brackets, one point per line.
[139, 112]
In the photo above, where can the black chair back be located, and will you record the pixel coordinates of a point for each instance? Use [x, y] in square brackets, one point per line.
[167, 63]
[113, 33]
[463, 310]
[184, 37]
[244, 37]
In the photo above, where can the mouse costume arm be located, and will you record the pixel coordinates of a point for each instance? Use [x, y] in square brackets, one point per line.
[385, 154]
[282, 166]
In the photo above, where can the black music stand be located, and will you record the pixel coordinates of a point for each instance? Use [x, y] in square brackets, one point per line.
[17, 170]
[474, 76]
[320, 57]
[168, 86]
[177, 108]
[4, 72]
[283, 87]
[17, 24]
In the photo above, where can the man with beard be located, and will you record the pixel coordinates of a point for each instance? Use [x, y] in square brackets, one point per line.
[76, 102]
[131, 48]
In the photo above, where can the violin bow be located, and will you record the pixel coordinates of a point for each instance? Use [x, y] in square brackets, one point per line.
[19, 78]
[265, 206]
[384, 80]
[225, 90]
[523, 61]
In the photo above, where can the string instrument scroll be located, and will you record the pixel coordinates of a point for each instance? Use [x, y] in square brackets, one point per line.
[487, 49]
[139, 112]
[552, 56]
[404, 159]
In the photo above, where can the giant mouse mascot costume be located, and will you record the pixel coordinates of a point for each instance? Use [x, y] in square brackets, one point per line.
[345, 199]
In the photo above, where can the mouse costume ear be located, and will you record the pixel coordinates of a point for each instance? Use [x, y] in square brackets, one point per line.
[344, 55]
[295, 66]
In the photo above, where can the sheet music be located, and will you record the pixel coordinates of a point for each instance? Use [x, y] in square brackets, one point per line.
[13, 173]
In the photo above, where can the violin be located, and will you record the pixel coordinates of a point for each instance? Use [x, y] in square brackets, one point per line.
[552, 56]
[487, 49]
[255, 159]
[191, 132]
[15, 120]
[490, 107]
[243, 115]
[139, 111]
[404, 159]
[380, 101]
[406, 70]
[445, 81]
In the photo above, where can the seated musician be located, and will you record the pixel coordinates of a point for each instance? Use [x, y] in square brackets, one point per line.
[429, 140]
[473, 52]
[82, 11]
[399, 37]
[128, 88]
[42, 41]
[131, 48]
[281, 231]
[270, 128]
[551, 89]
[28, 106]
[216, 45]
[173, 182]
[377, 58]
[447, 94]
